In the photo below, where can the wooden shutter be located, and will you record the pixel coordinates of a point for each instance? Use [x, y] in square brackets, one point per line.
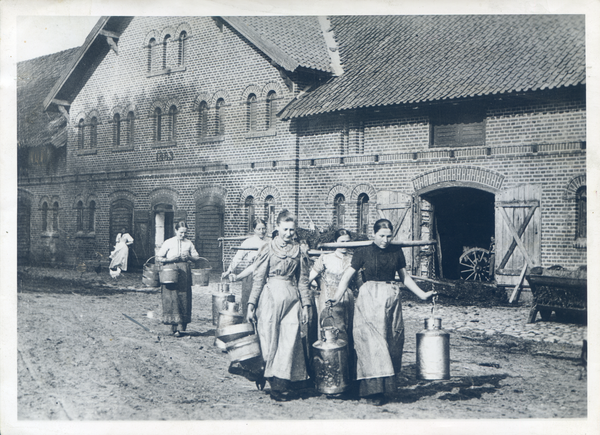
[396, 207]
[518, 231]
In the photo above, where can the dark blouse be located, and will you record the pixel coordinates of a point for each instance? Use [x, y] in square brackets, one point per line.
[379, 264]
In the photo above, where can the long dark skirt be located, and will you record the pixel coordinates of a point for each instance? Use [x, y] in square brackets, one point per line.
[177, 298]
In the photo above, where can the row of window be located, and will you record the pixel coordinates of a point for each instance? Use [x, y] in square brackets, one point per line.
[165, 124]
[85, 217]
[158, 52]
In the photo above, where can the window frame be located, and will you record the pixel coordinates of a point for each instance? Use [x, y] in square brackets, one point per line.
[271, 105]
[457, 127]
[362, 222]
[581, 217]
[339, 210]
[251, 120]
[250, 212]
[79, 217]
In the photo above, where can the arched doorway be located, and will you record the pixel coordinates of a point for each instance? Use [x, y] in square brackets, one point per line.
[121, 216]
[461, 218]
[209, 227]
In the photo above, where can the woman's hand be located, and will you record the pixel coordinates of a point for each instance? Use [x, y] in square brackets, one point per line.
[331, 302]
[225, 274]
[305, 314]
[251, 315]
[232, 277]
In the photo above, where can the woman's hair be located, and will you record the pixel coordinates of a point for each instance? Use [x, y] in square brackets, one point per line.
[341, 232]
[286, 216]
[257, 221]
[180, 224]
[123, 230]
[382, 223]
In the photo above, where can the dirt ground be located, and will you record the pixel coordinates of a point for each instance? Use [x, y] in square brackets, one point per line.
[80, 358]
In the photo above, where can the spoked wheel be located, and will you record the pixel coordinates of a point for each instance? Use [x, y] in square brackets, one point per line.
[475, 265]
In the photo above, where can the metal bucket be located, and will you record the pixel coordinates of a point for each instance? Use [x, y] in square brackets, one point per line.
[433, 351]
[234, 332]
[150, 275]
[331, 364]
[201, 277]
[168, 275]
[244, 348]
[217, 304]
[229, 316]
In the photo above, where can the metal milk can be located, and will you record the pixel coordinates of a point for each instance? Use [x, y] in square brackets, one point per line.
[433, 350]
[331, 361]
[219, 298]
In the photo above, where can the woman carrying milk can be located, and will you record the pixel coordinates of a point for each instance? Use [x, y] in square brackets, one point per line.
[279, 302]
[378, 329]
[177, 297]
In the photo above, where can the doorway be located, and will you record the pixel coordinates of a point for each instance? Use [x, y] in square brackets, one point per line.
[163, 224]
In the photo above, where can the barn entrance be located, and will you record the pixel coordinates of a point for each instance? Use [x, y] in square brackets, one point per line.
[461, 218]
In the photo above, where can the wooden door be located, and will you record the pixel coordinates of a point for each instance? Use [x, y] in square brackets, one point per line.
[141, 240]
[209, 227]
[396, 207]
[518, 231]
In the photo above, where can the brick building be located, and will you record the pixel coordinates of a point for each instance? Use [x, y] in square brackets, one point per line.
[460, 128]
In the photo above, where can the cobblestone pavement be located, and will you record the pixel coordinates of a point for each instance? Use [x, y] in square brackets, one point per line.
[455, 319]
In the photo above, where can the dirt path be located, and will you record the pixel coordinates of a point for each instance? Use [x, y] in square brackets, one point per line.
[80, 358]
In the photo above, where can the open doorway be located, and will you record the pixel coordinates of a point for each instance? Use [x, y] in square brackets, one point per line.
[163, 224]
[463, 218]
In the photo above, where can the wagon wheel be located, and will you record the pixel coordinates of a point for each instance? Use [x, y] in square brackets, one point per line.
[475, 265]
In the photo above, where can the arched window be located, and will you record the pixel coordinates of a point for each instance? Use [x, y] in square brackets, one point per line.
[251, 112]
[151, 45]
[164, 56]
[363, 213]
[55, 216]
[250, 212]
[79, 215]
[92, 216]
[94, 132]
[270, 212]
[117, 130]
[271, 109]
[220, 116]
[45, 216]
[172, 123]
[181, 52]
[203, 119]
[80, 133]
[581, 201]
[339, 210]
[157, 124]
[130, 127]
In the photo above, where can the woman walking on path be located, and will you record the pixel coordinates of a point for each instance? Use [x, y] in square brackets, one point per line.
[177, 297]
[378, 329]
[256, 241]
[279, 302]
[120, 255]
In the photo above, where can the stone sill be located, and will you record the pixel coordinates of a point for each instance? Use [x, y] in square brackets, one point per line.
[48, 234]
[210, 139]
[87, 152]
[258, 134]
[122, 149]
[163, 144]
[83, 235]
[164, 71]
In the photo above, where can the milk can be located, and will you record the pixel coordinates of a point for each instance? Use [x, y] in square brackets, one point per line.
[433, 351]
[219, 298]
[331, 361]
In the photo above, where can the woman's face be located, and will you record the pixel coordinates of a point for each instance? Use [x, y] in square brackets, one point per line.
[383, 237]
[180, 233]
[286, 231]
[342, 239]
[260, 230]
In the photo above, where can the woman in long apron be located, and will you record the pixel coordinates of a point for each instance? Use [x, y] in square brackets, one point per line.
[246, 257]
[279, 303]
[120, 256]
[378, 329]
[177, 297]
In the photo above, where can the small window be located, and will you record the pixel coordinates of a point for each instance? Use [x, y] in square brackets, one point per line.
[271, 109]
[363, 213]
[117, 130]
[151, 45]
[80, 134]
[250, 212]
[181, 51]
[94, 132]
[164, 56]
[203, 119]
[220, 108]
[458, 127]
[172, 123]
[45, 216]
[339, 210]
[270, 212]
[79, 216]
[251, 112]
[92, 217]
[55, 217]
[130, 128]
[157, 124]
[581, 201]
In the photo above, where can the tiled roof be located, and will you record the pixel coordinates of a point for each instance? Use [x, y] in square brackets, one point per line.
[300, 37]
[391, 60]
[35, 78]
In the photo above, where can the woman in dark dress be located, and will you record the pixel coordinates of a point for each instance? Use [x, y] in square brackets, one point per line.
[378, 330]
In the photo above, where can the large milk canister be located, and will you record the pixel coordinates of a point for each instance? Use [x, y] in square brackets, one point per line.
[219, 298]
[331, 362]
[433, 351]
